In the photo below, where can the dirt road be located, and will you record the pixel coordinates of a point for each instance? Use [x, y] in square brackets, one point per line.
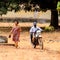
[27, 52]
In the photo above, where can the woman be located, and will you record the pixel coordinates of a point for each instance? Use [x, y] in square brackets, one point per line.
[16, 33]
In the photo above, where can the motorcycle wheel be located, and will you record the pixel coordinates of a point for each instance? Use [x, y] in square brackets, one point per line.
[40, 43]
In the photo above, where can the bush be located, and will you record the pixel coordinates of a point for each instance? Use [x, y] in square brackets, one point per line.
[49, 28]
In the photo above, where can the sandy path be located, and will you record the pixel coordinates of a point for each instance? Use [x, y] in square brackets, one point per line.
[26, 52]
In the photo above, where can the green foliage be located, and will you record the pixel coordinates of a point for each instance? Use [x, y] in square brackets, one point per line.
[13, 6]
[58, 6]
[9, 5]
[49, 28]
[3, 10]
[27, 7]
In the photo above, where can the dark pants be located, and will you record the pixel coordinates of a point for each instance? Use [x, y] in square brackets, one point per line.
[31, 36]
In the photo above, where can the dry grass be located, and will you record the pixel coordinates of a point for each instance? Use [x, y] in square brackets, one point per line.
[25, 24]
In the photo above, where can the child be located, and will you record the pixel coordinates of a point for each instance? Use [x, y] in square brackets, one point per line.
[16, 33]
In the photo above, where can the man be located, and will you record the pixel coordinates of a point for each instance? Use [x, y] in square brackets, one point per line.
[33, 30]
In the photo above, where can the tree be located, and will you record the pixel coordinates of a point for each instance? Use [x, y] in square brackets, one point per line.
[9, 5]
[51, 5]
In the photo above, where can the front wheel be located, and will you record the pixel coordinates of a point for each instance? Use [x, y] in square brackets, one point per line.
[40, 42]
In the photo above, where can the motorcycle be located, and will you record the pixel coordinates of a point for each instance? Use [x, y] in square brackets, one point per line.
[37, 39]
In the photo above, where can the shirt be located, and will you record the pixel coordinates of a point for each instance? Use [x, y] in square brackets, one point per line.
[33, 29]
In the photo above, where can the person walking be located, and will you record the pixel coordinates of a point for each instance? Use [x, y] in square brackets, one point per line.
[16, 33]
[33, 30]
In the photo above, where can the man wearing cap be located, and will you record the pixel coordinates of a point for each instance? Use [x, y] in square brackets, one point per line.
[33, 30]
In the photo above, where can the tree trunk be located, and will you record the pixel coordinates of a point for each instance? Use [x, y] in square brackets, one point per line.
[54, 18]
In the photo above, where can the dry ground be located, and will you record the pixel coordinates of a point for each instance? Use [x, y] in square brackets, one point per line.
[27, 52]
[24, 24]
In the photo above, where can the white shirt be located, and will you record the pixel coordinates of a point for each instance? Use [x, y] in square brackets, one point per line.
[33, 29]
